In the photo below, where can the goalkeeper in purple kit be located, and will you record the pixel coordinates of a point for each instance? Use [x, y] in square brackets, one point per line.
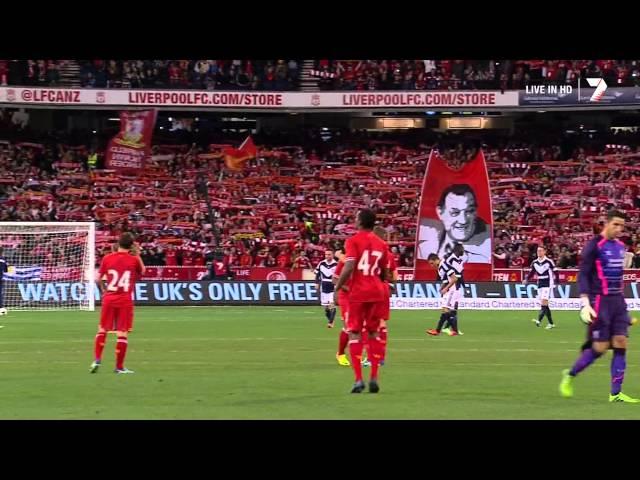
[604, 309]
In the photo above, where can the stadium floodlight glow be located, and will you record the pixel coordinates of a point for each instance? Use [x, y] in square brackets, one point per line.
[171, 119]
[431, 112]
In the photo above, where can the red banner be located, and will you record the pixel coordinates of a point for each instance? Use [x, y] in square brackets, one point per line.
[236, 158]
[455, 207]
[131, 147]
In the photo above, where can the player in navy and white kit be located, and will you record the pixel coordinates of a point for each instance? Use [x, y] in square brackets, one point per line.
[603, 307]
[450, 271]
[543, 268]
[324, 278]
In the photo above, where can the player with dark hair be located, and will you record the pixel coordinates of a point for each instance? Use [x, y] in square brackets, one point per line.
[120, 269]
[604, 308]
[545, 270]
[366, 266]
[450, 274]
[441, 270]
[324, 283]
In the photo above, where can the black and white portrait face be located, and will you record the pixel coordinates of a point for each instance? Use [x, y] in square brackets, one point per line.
[458, 215]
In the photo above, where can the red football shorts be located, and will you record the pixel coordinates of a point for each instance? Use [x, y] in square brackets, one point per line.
[385, 306]
[116, 315]
[363, 314]
[383, 310]
[343, 303]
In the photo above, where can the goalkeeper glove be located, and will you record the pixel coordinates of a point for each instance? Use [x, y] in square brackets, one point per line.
[587, 314]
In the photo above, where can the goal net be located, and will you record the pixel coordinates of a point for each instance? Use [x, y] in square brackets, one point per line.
[51, 265]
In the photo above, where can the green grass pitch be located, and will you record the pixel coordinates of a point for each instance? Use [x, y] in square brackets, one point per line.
[279, 363]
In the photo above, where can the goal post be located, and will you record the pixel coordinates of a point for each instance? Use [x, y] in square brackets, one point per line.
[51, 265]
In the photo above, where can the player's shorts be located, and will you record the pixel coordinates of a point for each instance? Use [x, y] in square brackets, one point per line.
[612, 317]
[326, 299]
[449, 299]
[363, 314]
[116, 316]
[459, 296]
[383, 308]
[343, 303]
[544, 293]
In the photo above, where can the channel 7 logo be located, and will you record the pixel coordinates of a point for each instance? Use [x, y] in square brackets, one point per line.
[600, 87]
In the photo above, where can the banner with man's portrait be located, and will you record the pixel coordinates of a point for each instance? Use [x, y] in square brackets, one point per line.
[455, 207]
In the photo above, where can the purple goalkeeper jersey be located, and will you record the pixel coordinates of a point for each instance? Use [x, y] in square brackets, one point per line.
[601, 267]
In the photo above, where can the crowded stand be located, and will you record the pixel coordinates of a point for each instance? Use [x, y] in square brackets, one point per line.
[381, 74]
[300, 195]
[150, 74]
[469, 74]
[191, 74]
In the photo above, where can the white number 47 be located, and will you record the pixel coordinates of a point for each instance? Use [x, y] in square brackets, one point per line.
[365, 266]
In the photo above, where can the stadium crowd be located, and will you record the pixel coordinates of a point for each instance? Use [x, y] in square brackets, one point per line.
[469, 74]
[191, 74]
[183, 74]
[292, 202]
[380, 74]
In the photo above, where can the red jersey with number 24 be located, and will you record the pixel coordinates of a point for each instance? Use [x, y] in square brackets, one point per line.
[120, 270]
[370, 255]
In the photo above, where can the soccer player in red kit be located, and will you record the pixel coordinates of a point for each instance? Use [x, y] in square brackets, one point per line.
[366, 265]
[385, 311]
[120, 269]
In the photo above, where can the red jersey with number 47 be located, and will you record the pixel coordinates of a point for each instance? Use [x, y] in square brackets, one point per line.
[370, 255]
[120, 270]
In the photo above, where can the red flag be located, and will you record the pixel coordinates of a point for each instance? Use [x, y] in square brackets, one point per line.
[130, 148]
[235, 158]
[455, 207]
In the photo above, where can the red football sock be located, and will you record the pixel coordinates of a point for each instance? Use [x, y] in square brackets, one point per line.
[101, 339]
[121, 351]
[382, 339]
[344, 340]
[365, 341]
[355, 350]
[375, 355]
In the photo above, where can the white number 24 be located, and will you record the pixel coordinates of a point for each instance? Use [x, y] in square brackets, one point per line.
[117, 281]
[365, 266]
